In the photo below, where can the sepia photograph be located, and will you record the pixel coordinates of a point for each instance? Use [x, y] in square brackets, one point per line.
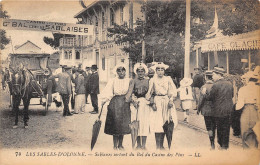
[93, 82]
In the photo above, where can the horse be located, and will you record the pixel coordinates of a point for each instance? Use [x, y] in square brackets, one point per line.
[21, 90]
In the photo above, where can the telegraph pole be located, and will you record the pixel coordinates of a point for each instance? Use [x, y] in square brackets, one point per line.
[143, 42]
[187, 41]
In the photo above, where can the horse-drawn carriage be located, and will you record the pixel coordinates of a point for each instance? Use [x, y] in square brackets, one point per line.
[35, 65]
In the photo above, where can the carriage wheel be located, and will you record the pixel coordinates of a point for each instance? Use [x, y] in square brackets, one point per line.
[46, 105]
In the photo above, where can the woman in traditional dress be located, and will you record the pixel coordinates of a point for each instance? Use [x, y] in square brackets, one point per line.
[139, 87]
[165, 91]
[118, 114]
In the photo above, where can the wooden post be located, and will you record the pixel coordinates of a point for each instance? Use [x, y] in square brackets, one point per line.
[227, 56]
[249, 61]
[187, 41]
[143, 41]
[197, 57]
[208, 60]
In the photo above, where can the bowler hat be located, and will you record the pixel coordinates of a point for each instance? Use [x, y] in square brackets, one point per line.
[94, 67]
[219, 70]
[67, 67]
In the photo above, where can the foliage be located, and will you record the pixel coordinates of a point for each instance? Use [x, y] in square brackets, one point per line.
[55, 41]
[3, 39]
[165, 27]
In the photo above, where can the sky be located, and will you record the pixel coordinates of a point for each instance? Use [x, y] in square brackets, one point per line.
[38, 10]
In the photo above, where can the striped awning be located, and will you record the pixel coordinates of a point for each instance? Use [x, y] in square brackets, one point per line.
[245, 41]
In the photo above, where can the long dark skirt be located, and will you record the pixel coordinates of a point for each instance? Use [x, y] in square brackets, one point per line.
[118, 116]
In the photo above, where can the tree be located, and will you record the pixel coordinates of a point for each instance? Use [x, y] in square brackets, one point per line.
[3, 39]
[165, 27]
[53, 42]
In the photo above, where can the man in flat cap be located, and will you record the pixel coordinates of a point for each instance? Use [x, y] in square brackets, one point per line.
[86, 75]
[221, 95]
[64, 88]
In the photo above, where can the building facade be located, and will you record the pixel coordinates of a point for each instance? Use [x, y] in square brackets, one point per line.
[100, 49]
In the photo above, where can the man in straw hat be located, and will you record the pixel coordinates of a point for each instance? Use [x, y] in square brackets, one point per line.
[221, 95]
[248, 99]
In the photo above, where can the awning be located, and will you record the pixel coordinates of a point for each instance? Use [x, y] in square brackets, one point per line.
[245, 41]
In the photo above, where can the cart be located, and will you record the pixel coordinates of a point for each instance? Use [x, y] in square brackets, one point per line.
[37, 65]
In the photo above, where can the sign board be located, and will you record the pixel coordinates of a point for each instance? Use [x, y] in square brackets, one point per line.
[247, 41]
[64, 28]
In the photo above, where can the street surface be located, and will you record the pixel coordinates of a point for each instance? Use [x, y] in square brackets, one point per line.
[56, 131]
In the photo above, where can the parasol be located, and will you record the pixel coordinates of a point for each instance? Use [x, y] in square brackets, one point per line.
[134, 126]
[168, 130]
[96, 129]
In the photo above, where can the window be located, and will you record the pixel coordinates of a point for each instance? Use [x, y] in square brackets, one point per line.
[70, 54]
[66, 55]
[77, 55]
[121, 14]
[103, 20]
[112, 17]
[103, 63]
[96, 18]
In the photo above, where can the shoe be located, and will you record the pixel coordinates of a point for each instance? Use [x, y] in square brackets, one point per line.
[87, 102]
[143, 148]
[93, 112]
[121, 148]
[138, 148]
[26, 125]
[15, 126]
[115, 148]
[75, 113]
[70, 114]
[162, 148]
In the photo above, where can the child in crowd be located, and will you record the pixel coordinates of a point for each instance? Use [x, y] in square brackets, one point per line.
[185, 93]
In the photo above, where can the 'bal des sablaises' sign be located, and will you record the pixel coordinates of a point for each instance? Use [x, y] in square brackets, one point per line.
[64, 28]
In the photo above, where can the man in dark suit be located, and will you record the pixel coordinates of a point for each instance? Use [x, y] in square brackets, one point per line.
[198, 81]
[93, 88]
[221, 95]
[86, 79]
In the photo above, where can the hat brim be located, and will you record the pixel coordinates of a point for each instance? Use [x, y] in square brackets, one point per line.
[219, 72]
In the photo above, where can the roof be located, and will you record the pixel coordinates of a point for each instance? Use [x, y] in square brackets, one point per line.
[38, 55]
[78, 15]
[85, 9]
[17, 47]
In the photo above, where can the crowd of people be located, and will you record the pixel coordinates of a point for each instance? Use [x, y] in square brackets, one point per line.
[75, 86]
[152, 94]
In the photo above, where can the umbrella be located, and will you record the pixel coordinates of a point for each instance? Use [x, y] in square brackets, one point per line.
[95, 130]
[168, 130]
[134, 126]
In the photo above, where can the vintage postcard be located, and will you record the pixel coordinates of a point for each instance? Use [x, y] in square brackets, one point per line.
[129, 82]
